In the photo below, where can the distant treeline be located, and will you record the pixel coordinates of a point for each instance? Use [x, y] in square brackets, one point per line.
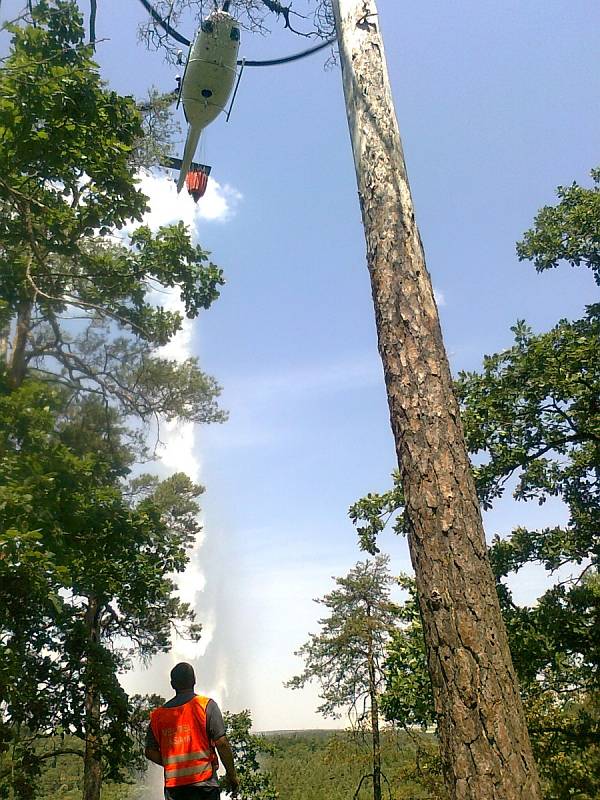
[320, 764]
[329, 765]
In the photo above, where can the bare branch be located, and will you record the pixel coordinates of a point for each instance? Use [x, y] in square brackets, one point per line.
[286, 11]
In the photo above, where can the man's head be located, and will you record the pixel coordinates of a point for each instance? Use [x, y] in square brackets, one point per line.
[182, 677]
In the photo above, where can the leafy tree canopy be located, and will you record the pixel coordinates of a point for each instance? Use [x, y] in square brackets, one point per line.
[407, 699]
[248, 751]
[86, 560]
[78, 304]
[568, 231]
[84, 580]
[372, 513]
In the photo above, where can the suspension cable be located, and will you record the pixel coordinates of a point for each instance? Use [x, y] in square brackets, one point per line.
[271, 62]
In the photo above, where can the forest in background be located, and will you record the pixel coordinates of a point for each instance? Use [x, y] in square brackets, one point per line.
[321, 764]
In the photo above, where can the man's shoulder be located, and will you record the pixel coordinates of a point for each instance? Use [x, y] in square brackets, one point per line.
[205, 700]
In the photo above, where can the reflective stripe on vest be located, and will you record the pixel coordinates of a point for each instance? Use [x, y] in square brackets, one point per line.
[177, 773]
[187, 753]
[187, 757]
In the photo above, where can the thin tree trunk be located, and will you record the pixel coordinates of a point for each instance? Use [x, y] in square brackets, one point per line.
[93, 13]
[92, 763]
[18, 363]
[4, 339]
[483, 735]
[374, 717]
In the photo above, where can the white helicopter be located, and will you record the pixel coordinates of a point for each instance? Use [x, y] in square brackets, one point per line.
[204, 90]
[207, 83]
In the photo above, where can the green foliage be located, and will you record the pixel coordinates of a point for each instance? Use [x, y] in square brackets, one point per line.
[568, 231]
[86, 561]
[329, 765]
[71, 545]
[357, 628]
[320, 764]
[62, 776]
[407, 699]
[558, 687]
[374, 511]
[83, 299]
[159, 129]
[64, 136]
[248, 751]
[534, 410]
[534, 415]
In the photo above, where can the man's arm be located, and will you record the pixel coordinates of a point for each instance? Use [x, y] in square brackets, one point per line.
[152, 750]
[226, 756]
[153, 755]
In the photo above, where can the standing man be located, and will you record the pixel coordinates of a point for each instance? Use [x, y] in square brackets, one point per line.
[182, 737]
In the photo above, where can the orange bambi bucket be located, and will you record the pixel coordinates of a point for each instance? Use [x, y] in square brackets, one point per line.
[196, 181]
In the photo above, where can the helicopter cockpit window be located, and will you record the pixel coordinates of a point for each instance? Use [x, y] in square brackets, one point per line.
[207, 26]
[235, 34]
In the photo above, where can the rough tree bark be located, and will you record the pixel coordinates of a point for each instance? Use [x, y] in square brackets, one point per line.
[92, 762]
[483, 735]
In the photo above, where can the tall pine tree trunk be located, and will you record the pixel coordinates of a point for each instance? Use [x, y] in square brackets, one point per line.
[92, 761]
[374, 716]
[483, 736]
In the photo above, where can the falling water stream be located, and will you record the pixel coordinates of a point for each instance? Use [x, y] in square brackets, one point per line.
[200, 584]
[178, 454]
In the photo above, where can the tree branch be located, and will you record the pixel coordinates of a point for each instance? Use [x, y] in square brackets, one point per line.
[285, 11]
[64, 751]
[93, 11]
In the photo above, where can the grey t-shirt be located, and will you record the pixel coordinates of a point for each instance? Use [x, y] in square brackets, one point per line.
[215, 727]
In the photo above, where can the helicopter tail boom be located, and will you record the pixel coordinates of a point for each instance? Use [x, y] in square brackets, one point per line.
[191, 143]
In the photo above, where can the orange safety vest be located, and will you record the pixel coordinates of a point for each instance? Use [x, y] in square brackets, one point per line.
[187, 753]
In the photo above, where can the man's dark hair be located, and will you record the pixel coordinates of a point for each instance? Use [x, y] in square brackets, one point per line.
[182, 676]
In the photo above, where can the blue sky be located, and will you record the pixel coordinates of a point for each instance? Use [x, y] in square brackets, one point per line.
[497, 105]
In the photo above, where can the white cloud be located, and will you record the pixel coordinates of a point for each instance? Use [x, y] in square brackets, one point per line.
[166, 206]
[440, 298]
[177, 449]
